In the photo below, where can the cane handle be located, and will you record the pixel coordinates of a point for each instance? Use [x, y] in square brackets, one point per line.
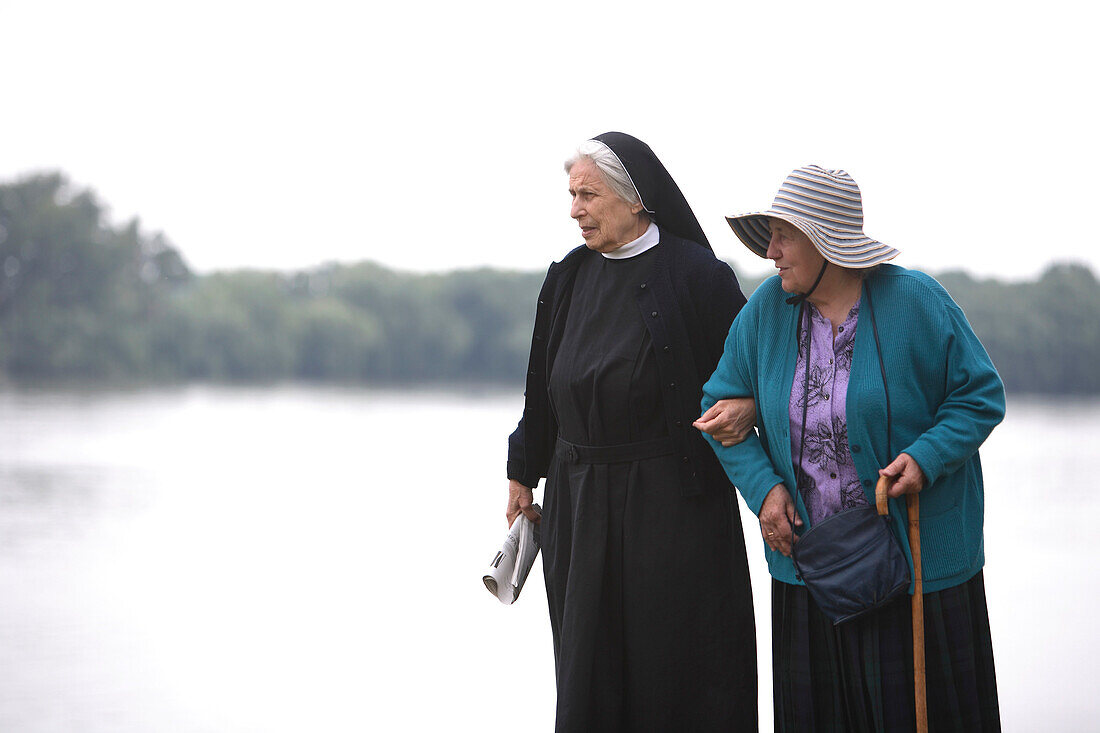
[884, 484]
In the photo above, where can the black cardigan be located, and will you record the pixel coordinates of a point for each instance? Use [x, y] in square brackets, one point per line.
[688, 302]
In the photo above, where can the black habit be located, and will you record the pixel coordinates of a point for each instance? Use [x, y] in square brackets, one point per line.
[643, 550]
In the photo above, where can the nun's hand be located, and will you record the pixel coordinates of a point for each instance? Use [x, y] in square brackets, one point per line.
[519, 500]
[729, 421]
[907, 475]
[776, 515]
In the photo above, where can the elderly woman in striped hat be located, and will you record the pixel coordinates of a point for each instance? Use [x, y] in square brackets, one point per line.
[861, 369]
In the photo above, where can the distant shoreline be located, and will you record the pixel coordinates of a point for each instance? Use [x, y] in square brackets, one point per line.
[84, 302]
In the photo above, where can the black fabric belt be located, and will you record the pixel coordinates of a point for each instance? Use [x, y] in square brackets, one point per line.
[623, 453]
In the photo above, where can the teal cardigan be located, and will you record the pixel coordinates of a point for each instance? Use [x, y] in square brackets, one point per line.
[945, 399]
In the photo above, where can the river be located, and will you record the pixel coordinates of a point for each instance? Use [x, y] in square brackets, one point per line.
[297, 558]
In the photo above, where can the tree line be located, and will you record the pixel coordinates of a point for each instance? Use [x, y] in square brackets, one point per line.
[82, 300]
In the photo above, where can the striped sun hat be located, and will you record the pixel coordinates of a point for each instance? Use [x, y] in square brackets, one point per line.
[826, 206]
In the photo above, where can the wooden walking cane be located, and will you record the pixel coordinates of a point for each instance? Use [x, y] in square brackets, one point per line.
[913, 507]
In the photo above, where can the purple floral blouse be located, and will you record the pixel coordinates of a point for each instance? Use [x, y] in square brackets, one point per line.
[827, 478]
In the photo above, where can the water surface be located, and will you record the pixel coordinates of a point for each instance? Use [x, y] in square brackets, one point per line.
[288, 559]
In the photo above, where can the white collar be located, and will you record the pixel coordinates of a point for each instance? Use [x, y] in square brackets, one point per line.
[643, 243]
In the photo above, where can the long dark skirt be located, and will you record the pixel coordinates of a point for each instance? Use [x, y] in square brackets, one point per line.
[859, 676]
[650, 602]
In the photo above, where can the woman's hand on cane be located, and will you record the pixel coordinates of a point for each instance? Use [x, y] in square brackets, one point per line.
[907, 476]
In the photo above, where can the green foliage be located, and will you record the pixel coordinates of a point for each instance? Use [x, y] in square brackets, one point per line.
[75, 293]
[1043, 336]
[80, 299]
[470, 325]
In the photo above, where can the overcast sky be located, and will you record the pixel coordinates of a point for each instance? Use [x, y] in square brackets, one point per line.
[430, 136]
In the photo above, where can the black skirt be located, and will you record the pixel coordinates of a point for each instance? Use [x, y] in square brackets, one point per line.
[859, 676]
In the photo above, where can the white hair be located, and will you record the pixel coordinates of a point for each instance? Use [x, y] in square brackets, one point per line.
[610, 166]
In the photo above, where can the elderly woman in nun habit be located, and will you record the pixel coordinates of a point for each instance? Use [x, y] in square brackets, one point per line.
[643, 551]
[861, 369]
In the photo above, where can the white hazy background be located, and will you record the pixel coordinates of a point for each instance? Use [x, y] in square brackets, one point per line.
[227, 560]
[430, 135]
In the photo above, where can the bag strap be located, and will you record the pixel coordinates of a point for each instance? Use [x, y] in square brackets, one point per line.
[882, 370]
[884, 482]
[806, 387]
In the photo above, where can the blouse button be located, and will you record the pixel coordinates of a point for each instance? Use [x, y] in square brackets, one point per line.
[672, 385]
[826, 397]
[654, 314]
[678, 423]
[832, 475]
[642, 286]
[685, 459]
[666, 349]
[840, 329]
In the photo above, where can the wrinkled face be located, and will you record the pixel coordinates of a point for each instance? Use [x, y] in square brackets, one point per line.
[607, 222]
[794, 254]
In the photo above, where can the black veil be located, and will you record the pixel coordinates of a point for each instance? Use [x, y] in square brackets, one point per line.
[660, 195]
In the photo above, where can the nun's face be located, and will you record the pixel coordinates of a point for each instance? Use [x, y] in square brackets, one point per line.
[794, 254]
[607, 222]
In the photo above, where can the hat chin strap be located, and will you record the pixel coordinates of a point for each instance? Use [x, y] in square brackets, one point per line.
[798, 298]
